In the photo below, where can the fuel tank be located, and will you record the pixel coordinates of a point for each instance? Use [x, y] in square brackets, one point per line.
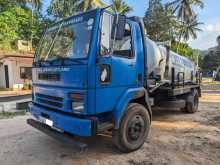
[161, 60]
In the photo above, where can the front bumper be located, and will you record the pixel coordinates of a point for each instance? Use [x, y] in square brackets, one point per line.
[64, 122]
[57, 135]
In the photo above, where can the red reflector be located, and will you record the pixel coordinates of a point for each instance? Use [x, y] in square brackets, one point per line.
[76, 96]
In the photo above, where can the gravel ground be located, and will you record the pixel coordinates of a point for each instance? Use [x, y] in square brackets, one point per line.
[175, 139]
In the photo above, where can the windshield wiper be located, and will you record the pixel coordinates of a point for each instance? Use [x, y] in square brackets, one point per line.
[52, 44]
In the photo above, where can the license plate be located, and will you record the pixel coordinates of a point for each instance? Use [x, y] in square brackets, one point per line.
[46, 121]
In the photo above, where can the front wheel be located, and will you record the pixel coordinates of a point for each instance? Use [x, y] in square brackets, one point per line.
[133, 130]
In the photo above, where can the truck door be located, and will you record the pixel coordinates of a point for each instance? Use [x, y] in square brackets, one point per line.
[115, 67]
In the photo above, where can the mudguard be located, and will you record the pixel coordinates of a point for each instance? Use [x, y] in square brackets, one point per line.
[128, 96]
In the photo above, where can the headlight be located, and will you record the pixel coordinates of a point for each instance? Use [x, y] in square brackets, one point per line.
[78, 106]
[77, 101]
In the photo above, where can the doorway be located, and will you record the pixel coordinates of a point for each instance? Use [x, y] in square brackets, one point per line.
[6, 76]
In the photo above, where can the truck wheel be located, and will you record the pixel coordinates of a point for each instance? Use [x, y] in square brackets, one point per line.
[192, 102]
[133, 129]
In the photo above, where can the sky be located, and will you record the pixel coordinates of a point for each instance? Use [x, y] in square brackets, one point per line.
[209, 15]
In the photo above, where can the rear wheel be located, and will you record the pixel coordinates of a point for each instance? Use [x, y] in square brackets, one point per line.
[133, 130]
[192, 102]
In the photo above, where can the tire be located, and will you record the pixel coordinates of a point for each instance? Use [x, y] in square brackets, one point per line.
[192, 102]
[133, 130]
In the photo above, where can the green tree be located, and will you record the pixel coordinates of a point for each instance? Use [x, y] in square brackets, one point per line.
[184, 8]
[16, 23]
[89, 4]
[183, 49]
[8, 26]
[159, 21]
[122, 7]
[188, 25]
[62, 8]
[211, 61]
[7, 4]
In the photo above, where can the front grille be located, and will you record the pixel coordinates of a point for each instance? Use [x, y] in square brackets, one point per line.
[49, 76]
[47, 100]
[49, 97]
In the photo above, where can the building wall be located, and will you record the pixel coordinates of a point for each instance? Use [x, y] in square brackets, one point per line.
[14, 64]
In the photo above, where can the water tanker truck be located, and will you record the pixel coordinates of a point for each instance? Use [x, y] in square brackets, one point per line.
[97, 72]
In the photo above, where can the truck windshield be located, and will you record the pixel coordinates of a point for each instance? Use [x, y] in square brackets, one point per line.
[68, 39]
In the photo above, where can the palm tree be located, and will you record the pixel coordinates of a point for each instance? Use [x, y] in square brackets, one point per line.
[88, 4]
[121, 7]
[63, 8]
[184, 8]
[187, 30]
[190, 29]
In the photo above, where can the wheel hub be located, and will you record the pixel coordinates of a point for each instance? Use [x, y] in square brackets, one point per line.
[135, 128]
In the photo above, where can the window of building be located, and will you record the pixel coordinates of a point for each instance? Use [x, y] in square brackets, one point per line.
[26, 72]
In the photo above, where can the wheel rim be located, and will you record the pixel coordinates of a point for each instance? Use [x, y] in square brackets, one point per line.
[135, 129]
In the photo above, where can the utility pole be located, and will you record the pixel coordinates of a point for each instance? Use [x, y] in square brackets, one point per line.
[32, 21]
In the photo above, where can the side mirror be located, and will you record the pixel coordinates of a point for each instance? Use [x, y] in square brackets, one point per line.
[118, 28]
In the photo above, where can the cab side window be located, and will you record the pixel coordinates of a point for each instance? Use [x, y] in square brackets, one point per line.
[108, 45]
[106, 34]
[124, 47]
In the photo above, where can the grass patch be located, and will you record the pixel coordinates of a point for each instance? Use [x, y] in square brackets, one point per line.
[211, 83]
[7, 115]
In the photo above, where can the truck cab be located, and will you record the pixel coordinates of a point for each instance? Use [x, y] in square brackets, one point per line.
[89, 77]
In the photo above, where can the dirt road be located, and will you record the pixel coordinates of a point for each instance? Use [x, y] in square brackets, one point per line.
[175, 139]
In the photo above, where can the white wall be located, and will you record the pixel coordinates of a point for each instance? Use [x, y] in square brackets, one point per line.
[14, 64]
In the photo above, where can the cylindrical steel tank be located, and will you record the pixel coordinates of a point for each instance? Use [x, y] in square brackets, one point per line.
[157, 62]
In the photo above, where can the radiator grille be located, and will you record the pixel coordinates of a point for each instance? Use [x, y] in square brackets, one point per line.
[47, 100]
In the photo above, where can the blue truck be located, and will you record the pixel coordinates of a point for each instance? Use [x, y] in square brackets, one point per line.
[97, 71]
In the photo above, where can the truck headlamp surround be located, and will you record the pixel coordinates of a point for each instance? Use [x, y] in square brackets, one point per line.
[78, 106]
[77, 101]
